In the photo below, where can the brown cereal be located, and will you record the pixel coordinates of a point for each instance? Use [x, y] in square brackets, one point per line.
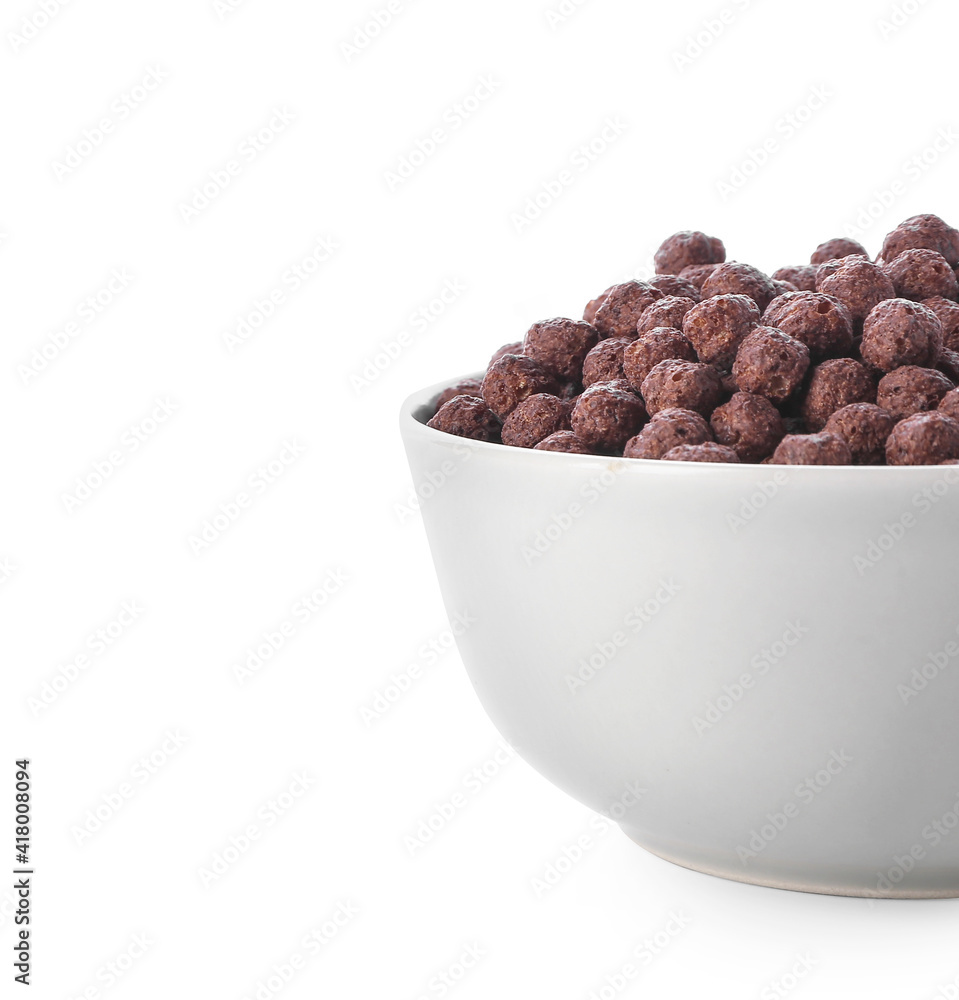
[858, 283]
[622, 307]
[589, 313]
[466, 416]
[836, 249]
[803, 276]
[683, 384]
[821, 322]
[949, 404]
[560, 345]
[948, 364]
[812, 449]
[565, 441]
[688, 248]
[668, 311]
[467, 387]
[536, 418]
[607, 415]
[644, 353]
[750, 425]
[832, 266]
[923, 232]
[771, 363]
[912, 389]
[708, 451]
[734, 278]
[511, 379]
[899, 332]
[668, 429]
[516, 348]
[718, 325]
[674, 284]
[922, 274]
[923, 439]
[833, 385]
[948, 313]
[696, 274]
[713, 360]
[728, 381]
[605, 361]
[865, 428]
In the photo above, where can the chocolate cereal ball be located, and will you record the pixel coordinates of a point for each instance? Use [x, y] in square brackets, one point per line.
[783, 286]
[674, 284]
[709, 451]
[865, 428]
[836, 249]
[833, 385]
[561, 345]
[682, 384]
[535, 418]
[696, 274]
[644, 353]
[589, 313]
[467, 387]
[748, 424]
[605, 361]
[803, 276]
[923, 232]
[922, 274]
[812, 449]
[820, 321]
[734, 278]
[832, 266]
[668, 311]
[912, 389]
[770, 363]
[622, 307]
[606, 416]
[899, 332]
[668, 429]
[728, 381]
[858, 283]
[511, 379]
[516, 348]
[718, 325]
[949, 404]
[923, 439]
[466, 416]
[687, 248]
[565, 441]
[948, 364]
[948, 313]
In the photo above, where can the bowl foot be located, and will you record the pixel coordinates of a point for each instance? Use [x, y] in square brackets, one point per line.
[794, 883]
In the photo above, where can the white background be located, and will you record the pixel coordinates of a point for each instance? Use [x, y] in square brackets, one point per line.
[341, 504]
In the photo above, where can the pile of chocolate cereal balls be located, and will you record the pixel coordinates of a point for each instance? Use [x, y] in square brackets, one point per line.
[840, 361]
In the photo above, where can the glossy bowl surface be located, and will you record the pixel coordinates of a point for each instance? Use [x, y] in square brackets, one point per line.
[753, 669]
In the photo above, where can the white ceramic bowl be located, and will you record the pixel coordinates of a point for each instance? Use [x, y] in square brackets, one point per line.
[754, 669]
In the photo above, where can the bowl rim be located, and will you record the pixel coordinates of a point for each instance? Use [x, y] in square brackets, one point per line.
[412, 424]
